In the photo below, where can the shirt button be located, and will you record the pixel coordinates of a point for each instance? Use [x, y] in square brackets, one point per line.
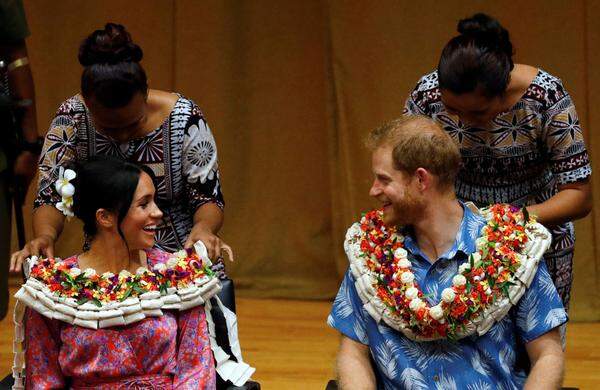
[436, 378]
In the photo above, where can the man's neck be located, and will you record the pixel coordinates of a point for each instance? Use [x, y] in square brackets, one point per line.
[435, 232]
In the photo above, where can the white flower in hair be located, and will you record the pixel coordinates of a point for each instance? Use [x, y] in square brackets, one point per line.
[66, 190]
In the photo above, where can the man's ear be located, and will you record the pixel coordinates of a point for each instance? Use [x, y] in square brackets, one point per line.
[423, 178]
[105, 218]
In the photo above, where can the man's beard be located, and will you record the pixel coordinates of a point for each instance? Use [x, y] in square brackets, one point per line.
[406, 212]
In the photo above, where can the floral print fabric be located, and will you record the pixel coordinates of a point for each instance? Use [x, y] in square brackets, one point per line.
[496, 360]
[174, 347]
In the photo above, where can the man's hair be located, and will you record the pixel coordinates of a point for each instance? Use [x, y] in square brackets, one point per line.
[419, 142]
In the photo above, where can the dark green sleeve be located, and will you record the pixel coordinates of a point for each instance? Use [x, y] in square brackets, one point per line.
[13, 25]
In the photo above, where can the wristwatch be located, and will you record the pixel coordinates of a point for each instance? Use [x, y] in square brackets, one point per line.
[34, 147]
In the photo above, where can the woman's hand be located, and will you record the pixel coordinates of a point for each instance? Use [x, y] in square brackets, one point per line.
[43, 244]
[214, 245]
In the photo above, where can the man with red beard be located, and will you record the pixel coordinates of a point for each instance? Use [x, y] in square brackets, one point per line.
[439, 295]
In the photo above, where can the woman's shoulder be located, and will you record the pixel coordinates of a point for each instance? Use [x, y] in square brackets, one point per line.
[547, 89]
[426, 92]
[71, 106]
[428, 82]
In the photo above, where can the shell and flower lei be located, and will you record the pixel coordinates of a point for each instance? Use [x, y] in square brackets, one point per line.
[60, 290]
[487, 285]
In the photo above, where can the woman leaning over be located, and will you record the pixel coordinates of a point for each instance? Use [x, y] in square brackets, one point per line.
[518, 133]
[116, 114]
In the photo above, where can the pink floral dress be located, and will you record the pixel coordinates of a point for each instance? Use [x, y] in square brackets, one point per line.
[167, 352]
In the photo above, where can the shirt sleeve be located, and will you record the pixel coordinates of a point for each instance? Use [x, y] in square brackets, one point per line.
[563, 137]
[540, 309]
[195, 366]
[58, 150]
[200, 164]
[42, 346]
[347, 314]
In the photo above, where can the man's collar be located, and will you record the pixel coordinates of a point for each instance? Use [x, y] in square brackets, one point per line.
[468, 232]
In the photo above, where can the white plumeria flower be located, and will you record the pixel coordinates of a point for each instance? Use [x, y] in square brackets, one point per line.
[180, 255]
[459, 280]
[412, 293]
[160, 267]
[65, 206]
[404, 263]
[107, 275]
[481, 243]
[124, 274]
[464, 267]
[448, 295]
[89, 272]
[74, 272]
[415, 304]
[407, 277]
[436, 312]
[400, 253]
[64, 177]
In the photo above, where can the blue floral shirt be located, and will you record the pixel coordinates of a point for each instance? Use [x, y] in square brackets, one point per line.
[496, 360]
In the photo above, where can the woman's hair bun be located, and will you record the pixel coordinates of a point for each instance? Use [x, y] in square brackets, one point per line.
[111, 45]
[484, 28]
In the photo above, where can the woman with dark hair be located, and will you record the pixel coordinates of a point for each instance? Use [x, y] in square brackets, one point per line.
[99, 320]
[116, 114]
[518, 132]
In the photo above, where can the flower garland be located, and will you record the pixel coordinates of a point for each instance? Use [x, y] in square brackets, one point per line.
[66, 280]
[486, 279]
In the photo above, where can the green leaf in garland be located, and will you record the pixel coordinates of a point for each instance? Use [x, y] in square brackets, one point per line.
[526, 215]
[81, 301]
[127, 294]
[97, 302]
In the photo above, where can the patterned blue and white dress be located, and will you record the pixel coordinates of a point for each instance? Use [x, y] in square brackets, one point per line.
[496, 360]
[181, 152]
[521, 158]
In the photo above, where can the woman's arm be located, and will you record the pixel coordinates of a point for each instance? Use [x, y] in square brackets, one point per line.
[573, 201]
[48, 223]
[547, 362]
[354, 370]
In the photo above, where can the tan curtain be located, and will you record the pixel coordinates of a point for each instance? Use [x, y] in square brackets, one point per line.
[290, 89]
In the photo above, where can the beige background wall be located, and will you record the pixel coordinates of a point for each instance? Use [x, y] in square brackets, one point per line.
[290, 89]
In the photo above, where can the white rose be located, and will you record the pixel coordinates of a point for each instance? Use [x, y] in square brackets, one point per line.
[415, 304]
[140, 270]
[404, 263]
[448, 295]
[481, 243]
[160, 267]
[172, 262]
[89, 272]
[74, 272]
[407, 277]
[436, 312]
[411, 293]
[459, 280]
[464, 267]
[400, 253]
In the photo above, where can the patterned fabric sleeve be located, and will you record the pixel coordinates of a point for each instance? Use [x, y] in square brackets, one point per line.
[200, 163]
[540, 309]
[42, 343]
[195, 367]
[563, 135]
[425, 91]
[347, 315]
[59, 150]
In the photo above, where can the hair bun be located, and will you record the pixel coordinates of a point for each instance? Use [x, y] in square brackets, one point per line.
[488, 30]
[111, 45]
